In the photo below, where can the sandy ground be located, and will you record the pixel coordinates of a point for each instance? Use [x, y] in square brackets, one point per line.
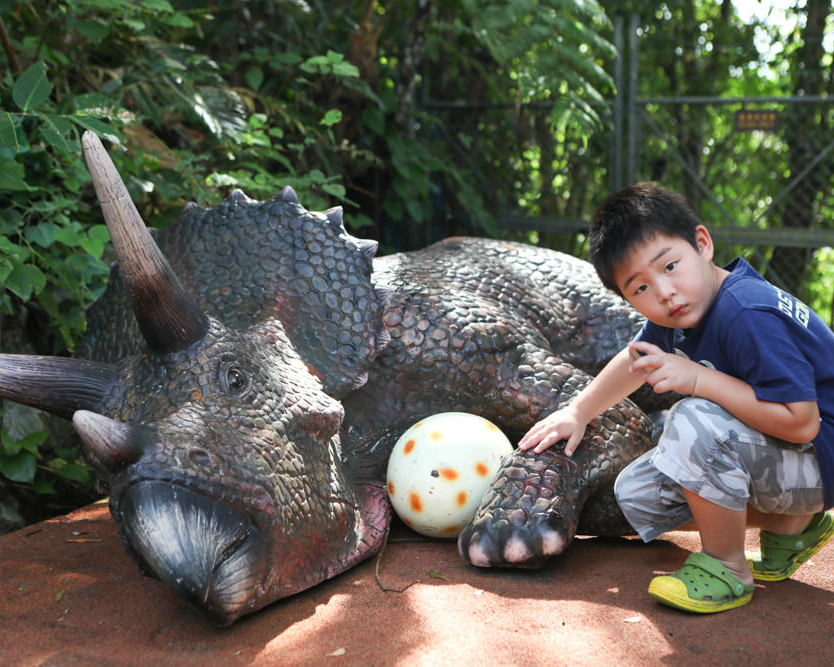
[70, 595]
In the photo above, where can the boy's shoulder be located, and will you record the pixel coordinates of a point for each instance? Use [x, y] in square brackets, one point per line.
[745, 290]
[748, 288]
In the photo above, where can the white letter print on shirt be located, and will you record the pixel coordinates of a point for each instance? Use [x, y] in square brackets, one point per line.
[793, 307]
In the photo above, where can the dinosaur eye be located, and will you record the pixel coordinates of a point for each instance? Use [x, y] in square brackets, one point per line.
[235, 379]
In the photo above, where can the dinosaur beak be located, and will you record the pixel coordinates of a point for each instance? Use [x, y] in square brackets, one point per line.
[208, 552]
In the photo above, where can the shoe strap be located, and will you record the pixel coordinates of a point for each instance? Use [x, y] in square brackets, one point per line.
[713, 566]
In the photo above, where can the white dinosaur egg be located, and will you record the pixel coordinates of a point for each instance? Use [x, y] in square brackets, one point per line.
[440, 469]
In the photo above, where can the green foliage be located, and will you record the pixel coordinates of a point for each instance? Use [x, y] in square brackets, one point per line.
[550, 47]
[23, 462]
[46, 254]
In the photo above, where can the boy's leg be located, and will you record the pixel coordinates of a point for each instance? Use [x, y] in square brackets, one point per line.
[722, 534]
[783, 524]
[706, 450]
[718, 465]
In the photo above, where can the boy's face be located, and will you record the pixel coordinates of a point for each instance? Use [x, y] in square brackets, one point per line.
[669, 281]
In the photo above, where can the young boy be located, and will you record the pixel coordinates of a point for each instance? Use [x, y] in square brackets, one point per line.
[753, 442]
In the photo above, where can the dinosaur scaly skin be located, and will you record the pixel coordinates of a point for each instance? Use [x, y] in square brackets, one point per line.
[249, 369]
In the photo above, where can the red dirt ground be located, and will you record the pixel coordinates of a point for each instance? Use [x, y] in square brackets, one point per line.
[70, 595]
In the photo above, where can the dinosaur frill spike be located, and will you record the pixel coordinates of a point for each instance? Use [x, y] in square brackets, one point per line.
[169, 318]
[384, 293]
[237, 195]
[109, 445]
[191, 208]
[367, 247]
[335, 216]
[59, 385]
[382, 339]
[288, 195]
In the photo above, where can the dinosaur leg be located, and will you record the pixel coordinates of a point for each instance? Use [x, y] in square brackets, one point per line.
[536, 501]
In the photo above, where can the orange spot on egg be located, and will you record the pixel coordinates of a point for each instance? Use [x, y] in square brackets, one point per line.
[481, 469]
[448, 473]
[391, 488]
[462, 498]
[436, 435]
[409, 446]
[407, 522]
[415, 502]
[451, 530]
[491, 426]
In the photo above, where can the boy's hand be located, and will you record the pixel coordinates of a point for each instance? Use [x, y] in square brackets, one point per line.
[664, 371]
[560, 425]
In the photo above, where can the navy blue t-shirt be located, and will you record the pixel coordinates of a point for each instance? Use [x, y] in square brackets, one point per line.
[756, 332]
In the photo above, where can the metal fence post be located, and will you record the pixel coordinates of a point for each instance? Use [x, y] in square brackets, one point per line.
[633, 153]
[616, 175]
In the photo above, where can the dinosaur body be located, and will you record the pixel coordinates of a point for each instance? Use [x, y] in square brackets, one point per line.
[249, 369]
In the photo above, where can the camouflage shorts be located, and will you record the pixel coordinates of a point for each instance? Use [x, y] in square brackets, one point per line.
[706, 450]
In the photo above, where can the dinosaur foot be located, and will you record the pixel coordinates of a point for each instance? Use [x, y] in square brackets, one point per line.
[529, 514]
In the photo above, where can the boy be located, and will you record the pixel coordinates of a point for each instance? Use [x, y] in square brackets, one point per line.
[753, 444]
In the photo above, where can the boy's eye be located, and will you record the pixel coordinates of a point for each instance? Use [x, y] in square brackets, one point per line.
[671, 266]
[639, 290]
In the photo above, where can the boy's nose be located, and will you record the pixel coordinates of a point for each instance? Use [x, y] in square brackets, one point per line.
[666, 290]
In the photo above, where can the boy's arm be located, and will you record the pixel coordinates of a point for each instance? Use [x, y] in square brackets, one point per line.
[613, 384]
[795, 422]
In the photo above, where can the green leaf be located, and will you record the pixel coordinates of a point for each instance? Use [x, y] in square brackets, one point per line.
[94, 247]
[31, 442]
[94, 103]
[20, 467]
[334, 189]
[43, 234]
[157, 5]
[32, 88]
[332, 117]
[8, 133]
[6, 267]
[254, 77]
[43, 487]
[74, 471]
[177, 20]
[11, 176]
[24, 279]
[95, 31]
[54, 136]
[99, 128]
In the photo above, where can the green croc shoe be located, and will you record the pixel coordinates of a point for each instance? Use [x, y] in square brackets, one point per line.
[703, 585]
[783, 554]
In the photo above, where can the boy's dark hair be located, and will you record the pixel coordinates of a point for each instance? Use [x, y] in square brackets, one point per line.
[634, 215]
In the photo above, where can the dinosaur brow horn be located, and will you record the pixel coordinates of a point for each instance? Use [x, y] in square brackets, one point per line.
[60, 385]
[169, 318]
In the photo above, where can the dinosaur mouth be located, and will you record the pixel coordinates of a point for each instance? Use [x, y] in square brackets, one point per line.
[210, 553]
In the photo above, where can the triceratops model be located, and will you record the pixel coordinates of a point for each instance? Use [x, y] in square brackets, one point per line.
[243, 415]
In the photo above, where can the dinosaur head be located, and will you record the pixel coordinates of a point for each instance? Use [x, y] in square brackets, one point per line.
[225, 473]
[218, 435]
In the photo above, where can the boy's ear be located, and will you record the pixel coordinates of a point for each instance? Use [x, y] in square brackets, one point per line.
[704, 242]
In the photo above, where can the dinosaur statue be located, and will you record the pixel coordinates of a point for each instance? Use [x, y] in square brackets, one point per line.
[242, 416]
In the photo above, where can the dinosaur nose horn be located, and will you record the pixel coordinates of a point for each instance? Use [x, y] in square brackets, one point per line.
[168, 316]
[110, 445]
